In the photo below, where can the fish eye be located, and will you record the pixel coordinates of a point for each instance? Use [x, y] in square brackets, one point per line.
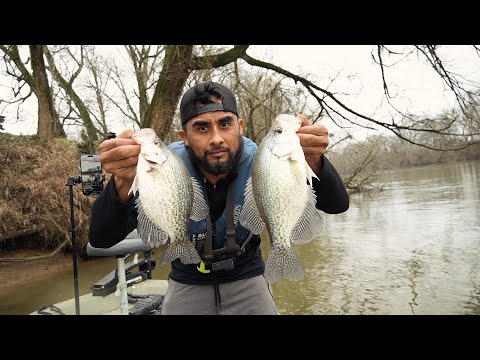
[278, 131]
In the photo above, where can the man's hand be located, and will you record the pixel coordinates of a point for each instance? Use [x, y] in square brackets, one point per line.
[119, 157]
[314, 141]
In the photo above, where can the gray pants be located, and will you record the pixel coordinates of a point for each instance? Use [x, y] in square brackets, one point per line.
[251, 296]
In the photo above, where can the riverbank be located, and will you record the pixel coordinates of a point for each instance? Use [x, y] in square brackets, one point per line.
[14, 274]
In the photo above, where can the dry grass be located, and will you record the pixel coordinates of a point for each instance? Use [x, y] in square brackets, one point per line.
[33, 192]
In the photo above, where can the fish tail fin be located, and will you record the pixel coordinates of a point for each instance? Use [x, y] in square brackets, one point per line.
[183, 250]
[283, 263]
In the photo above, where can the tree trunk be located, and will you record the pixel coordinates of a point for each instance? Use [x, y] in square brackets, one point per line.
[175, 71]
[48, 124]
[90, 129]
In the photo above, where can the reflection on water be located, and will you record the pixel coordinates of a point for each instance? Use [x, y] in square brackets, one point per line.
[413, 248]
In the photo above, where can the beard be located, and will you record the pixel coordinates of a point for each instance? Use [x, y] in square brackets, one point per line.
[218, 167]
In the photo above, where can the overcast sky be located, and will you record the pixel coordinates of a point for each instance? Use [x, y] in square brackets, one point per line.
[416, 87]
[415, 83]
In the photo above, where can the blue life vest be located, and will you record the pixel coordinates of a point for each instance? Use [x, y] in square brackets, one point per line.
[198, 229]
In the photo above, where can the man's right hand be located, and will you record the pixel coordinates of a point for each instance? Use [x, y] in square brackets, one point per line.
[119, 157]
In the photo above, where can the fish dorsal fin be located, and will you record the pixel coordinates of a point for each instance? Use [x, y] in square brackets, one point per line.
[309, 225]
[200, 207]
[134, 187]
[250, 216]
[147, 230]
[310, 174]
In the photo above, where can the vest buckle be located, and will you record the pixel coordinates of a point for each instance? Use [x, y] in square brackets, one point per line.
[223, 265]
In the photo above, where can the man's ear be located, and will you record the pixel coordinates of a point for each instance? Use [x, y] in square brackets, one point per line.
[241, 124]
[183, 135]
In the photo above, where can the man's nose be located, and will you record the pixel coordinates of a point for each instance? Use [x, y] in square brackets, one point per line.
[216, 136]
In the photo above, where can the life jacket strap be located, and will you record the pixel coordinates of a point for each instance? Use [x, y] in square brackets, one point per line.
[223, 258]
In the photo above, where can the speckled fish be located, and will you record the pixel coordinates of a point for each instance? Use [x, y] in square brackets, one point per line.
[277, 195]
[167, 197]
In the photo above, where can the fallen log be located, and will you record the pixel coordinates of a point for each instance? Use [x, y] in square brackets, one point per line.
[19, 233]
[34, 258]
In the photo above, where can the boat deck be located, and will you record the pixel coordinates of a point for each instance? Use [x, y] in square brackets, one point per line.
[107, 305]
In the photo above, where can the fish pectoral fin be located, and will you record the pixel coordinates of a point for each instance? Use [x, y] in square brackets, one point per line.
[250, 216]
[148, 231]
[309, 224]
[200, 207]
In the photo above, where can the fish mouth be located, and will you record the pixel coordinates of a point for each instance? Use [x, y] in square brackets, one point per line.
[150, 162]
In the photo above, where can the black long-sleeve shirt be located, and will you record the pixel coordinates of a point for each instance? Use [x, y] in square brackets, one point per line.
[111, 220]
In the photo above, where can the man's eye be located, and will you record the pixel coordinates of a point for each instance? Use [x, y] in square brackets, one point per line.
[224, 124]
[202, 128]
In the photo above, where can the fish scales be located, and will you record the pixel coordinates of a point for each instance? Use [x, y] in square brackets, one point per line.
[167, 198]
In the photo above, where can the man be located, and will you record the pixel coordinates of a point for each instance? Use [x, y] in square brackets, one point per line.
[229, 280]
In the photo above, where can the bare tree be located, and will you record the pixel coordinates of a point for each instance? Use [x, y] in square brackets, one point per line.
[97, 84]
[181, 62]
[454, 127]
[176, 64]
[262, 96]
[48, 123]
[358, 163]
[91, 133]
[175, 70]
[146, 62]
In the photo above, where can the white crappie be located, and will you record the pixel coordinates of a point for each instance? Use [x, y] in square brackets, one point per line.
[277, 194]
[167, 197]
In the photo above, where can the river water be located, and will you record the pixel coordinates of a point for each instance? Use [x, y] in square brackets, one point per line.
[412, 248]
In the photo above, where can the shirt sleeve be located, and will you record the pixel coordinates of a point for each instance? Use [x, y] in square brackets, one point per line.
[332, 197]
[111, 220]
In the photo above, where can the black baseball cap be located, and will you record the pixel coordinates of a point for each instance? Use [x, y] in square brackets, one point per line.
[202, 92]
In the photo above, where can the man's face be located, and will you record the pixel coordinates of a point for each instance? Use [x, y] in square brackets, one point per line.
[214, 139]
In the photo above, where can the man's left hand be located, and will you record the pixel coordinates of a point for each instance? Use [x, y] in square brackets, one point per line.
[314, 141]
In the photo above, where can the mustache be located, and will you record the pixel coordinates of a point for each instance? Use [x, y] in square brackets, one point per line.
[217, 148]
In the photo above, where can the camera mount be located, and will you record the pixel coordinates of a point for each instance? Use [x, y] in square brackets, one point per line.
[71, 182]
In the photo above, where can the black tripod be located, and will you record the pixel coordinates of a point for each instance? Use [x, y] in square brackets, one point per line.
[71, 183]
